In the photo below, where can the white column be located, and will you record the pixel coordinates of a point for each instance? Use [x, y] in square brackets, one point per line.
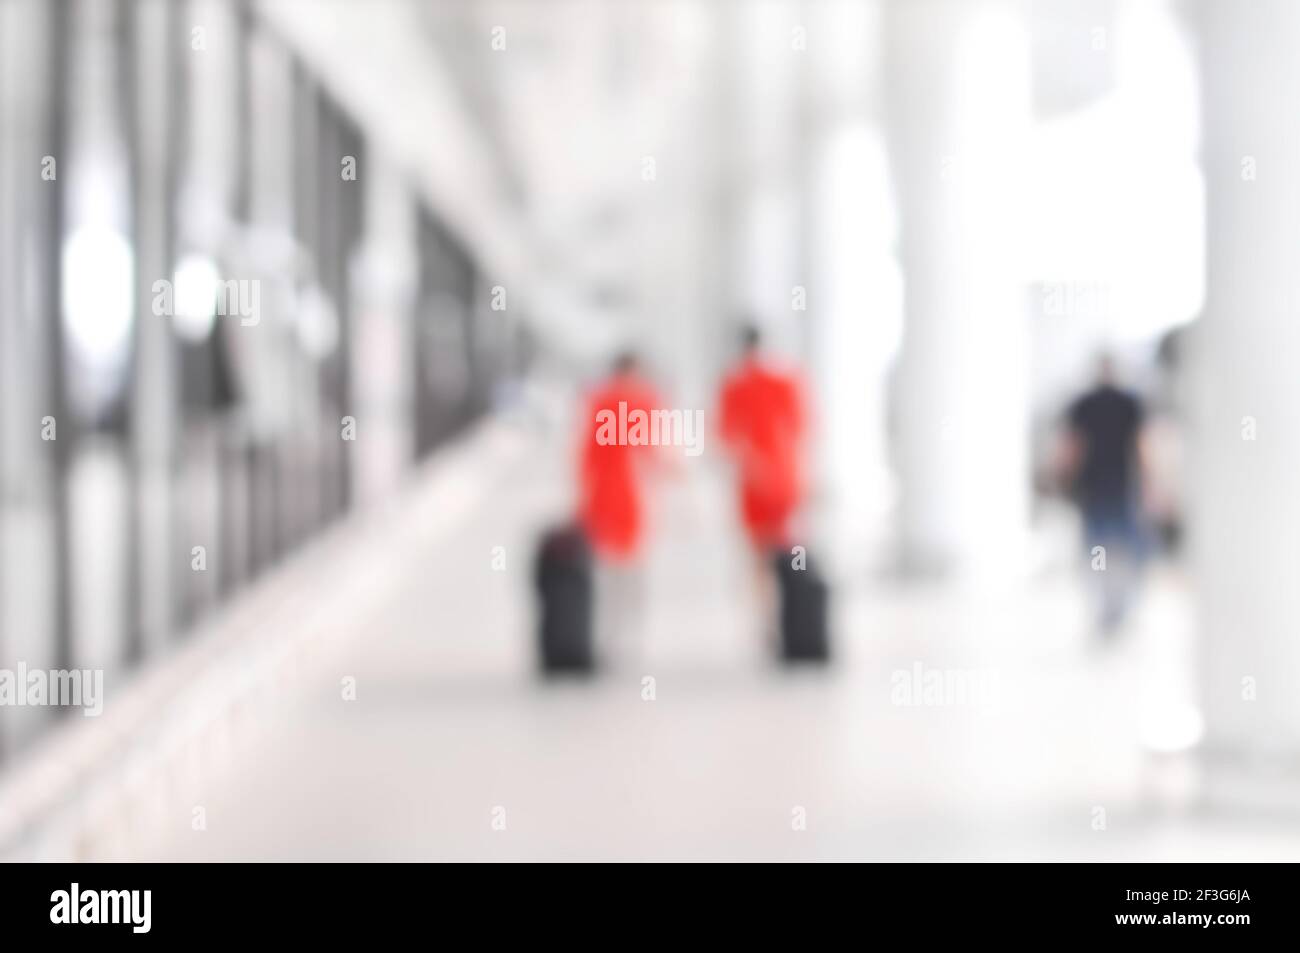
[957, 89]
[1245, 520]
[849, 236]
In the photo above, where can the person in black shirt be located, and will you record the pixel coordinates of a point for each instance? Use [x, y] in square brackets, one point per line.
[1104, 462]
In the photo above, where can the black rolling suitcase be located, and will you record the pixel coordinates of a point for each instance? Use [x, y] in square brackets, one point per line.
[804, 600]
[563, 576]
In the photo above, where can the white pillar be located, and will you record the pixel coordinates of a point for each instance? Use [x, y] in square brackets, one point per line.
[1245, 520]
[849, 254]
[957, 88]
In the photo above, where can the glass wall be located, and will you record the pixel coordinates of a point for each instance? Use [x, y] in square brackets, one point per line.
[182, 211]
[444, 349]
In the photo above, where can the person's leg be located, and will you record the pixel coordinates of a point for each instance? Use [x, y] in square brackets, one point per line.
[1113, 553]
[767, 595]
[1132, 542]
[1104, 560]
[604, 620]
[634, 622]
[621, 613]
[1117, 582]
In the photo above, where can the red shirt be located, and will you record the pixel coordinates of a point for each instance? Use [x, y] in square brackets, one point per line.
[612, 509]
[762, 421]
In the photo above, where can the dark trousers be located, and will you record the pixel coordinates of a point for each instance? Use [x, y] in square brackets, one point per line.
[1116, 548]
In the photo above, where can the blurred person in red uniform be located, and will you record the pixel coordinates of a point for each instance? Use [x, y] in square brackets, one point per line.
[612, 477]
[762, 423]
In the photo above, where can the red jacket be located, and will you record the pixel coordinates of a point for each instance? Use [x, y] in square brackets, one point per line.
[762, 421]
[612, 508]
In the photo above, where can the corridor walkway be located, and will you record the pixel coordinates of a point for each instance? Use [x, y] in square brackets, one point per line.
[420, 732]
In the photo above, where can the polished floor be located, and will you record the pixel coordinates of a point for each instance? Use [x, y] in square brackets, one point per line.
[402, 720]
